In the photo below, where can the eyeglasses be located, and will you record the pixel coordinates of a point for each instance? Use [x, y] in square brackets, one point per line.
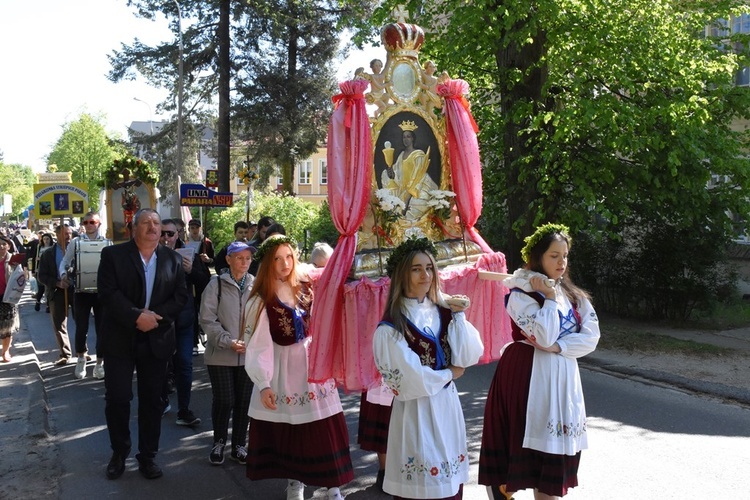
[92, 222]
[168, 233]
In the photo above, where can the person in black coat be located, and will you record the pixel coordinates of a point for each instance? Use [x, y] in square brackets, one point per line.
[142, 291]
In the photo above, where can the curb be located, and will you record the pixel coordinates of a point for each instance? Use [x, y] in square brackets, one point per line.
[27, 439]
[30, 370]
[670, 380]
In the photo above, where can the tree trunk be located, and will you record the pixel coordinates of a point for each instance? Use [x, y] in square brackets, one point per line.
[287, 177]
[292, 53]
[517, 158]
[223, 160]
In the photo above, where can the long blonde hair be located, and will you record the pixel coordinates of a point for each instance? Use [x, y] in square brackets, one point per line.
[399, 281]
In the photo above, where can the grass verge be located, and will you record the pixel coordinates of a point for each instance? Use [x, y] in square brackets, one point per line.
[633, 339]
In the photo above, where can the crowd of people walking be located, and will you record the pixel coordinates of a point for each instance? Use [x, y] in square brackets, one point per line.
[157, 294]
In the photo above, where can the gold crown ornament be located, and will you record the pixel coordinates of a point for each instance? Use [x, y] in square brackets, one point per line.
[408, 125]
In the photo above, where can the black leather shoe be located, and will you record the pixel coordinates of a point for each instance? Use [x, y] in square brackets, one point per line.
[116, 466]
[149, 470]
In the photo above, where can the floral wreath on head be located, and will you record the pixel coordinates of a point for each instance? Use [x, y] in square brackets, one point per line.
[541, 232]
[409, 245]
[270, 244]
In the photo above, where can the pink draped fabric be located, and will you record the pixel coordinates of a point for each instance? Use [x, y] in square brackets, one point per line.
[364, 302]
[463, 150]
[350, 173]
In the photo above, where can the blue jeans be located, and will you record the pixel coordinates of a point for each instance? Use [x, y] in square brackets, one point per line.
[183, 356]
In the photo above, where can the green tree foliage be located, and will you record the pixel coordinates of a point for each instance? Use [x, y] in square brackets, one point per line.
[322, 227]
[17, 181]
[278, 57]
[295, 214]
[632, 277]
[84, 149]
[612, 114]
[286, 79]
[159, 65]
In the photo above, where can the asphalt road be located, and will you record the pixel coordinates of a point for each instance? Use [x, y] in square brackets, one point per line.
[646, 441]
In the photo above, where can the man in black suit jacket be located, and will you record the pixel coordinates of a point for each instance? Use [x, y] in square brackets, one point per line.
[142, 291]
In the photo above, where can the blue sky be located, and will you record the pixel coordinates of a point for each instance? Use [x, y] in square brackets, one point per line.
[54, 60]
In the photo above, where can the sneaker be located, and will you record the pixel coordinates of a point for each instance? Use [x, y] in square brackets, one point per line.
[295, 490]
[99, 371]
[239, 454]
[187, 418]
[335, 494]
[80, 370]
[167, 407]
[217, 453]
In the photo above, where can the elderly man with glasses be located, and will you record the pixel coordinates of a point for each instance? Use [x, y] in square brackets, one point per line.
[142, 290]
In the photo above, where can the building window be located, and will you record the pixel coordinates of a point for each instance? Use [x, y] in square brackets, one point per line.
[305, 172]
[323, 171]
[743, 77]
[279, 176]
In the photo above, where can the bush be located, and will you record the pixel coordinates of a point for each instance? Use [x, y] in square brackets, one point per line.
[657, 272]
[295, 214]
[322, 228]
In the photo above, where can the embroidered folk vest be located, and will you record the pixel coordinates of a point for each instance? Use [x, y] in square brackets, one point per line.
[516, 331]
[432, 352]
[288, 325]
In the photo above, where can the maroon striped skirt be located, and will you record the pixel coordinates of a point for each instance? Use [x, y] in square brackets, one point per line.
[374, 419]
[315, 453]
[503, 459]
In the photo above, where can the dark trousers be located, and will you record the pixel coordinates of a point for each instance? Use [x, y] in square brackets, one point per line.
[84, 304]
[231, 389]
[39, 291]
[197, 330]
[182, 361]
[118, 384]
[59, 309]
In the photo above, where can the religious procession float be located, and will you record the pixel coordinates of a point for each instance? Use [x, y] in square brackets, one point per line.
[411, 168]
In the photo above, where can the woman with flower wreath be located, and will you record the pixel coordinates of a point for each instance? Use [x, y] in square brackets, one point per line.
[423, 343]
[297, 429]
[535, 417]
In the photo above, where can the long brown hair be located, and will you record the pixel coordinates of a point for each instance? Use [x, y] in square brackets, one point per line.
[264, 285]
[574, 293]
[399, 282]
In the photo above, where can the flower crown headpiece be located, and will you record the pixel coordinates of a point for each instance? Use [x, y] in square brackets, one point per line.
[409, 245]
[539, 234]
[270, 244]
